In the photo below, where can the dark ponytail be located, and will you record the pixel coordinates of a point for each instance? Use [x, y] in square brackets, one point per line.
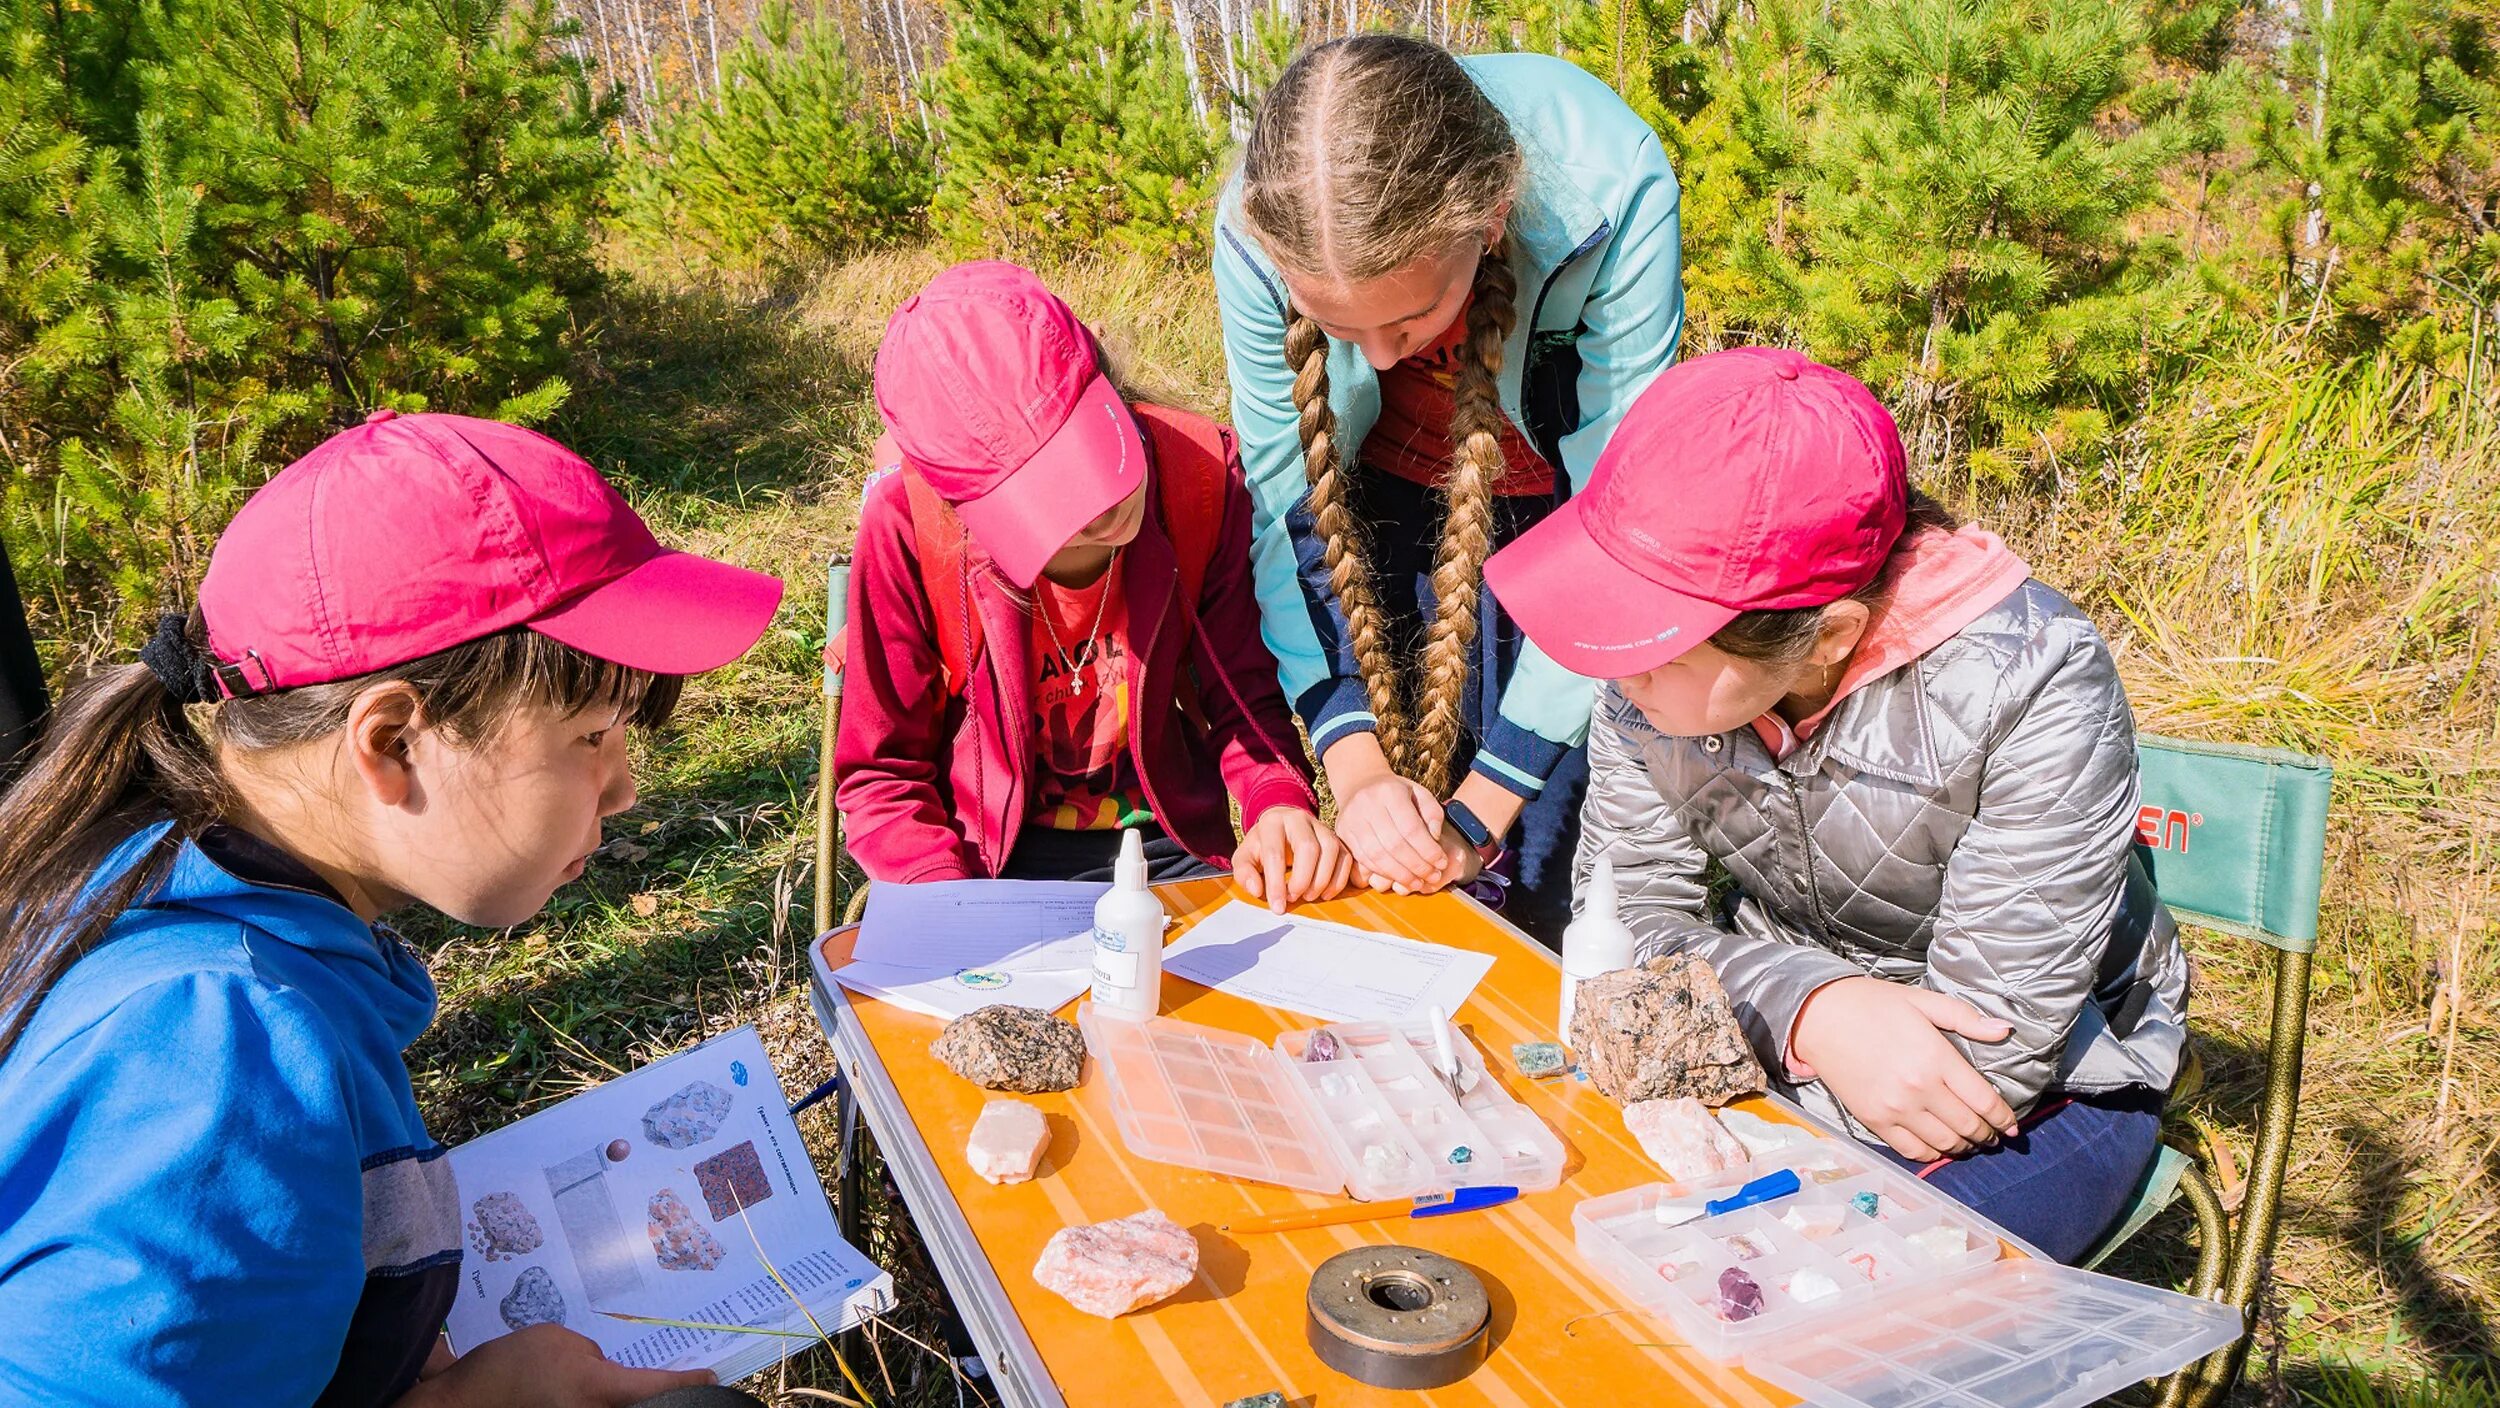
[123, 750]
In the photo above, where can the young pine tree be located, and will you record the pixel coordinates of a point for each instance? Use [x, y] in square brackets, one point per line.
[1964, 242]
[1068, 124]
[787, 166]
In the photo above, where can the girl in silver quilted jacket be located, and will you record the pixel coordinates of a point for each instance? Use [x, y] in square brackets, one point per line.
[1914, 763]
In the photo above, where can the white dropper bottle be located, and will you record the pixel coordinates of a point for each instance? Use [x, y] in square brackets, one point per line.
[1128, 937]
[1595, 941]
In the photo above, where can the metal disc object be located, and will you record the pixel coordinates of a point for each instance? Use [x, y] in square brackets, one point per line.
[1398, 1317]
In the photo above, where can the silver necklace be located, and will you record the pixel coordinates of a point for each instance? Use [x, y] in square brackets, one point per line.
[1076, 681]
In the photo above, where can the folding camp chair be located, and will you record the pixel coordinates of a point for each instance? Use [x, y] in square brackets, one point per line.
[2236, 841]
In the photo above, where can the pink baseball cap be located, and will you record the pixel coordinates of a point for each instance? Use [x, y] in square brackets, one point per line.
[1750, 479]
[412, 534]
[996, 396]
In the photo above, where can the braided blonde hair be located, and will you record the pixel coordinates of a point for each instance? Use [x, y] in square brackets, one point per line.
[1368, 154]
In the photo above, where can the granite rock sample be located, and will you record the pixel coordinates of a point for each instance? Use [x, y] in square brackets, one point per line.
[680, 1242]
[688, 1117]
[1006, 1047]
[1112, 1268]
[732, 1180]
[1682, 1138]
[1660, 1031]
[503, 1228]
[1007, 1141]
[533, 1300]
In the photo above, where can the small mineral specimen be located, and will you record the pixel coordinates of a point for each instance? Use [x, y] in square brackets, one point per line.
[1662, 1030]
[1677, 1268]
[1745, 1246]
[1865, 1264]
[1336, 1085]
[504, 1228]
[1812, 1221]
[1006, 1047]
[1324, 1047]
[1007, 1141]
[1680, 1135]
[1384, 1161]
[1538, 1059]
[1462, 1154]
[688, 1117]
[1942, 1242]
[533, 1300]
[1740, 1297]
[1112, 1268]
[680, 1242]
[1269, 1399]
[732, 1179]
[1807, 1287]
[1761, 1136]
[1867, 1204]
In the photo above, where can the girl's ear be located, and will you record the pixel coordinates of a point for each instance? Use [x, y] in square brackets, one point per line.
[1494, 228]
[1837, 634]
[378, 727]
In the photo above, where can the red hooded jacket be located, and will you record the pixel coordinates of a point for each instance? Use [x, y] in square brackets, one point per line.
[934, 786]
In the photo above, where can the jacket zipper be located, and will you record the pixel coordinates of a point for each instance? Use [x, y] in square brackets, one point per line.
[1805, 852]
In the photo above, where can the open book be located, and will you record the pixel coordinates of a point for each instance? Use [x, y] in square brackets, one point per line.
[679, 1193]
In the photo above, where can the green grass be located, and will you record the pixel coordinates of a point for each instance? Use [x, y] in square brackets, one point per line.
[2294, 557]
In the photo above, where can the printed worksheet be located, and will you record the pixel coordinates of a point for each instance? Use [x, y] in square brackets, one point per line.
[671, 1214]
[951, 925]
[1334, 972]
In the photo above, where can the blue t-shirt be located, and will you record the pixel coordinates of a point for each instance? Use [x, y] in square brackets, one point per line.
[215, 1187]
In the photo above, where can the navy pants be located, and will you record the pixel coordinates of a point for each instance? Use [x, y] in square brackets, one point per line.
[2065, 1180]
[1403, 520]
[1045, 853]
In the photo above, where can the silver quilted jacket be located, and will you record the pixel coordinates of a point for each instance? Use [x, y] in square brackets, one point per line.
[1965, 822]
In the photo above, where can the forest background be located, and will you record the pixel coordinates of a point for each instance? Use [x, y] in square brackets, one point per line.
[2196, 302]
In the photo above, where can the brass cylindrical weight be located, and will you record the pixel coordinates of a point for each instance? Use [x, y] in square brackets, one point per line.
[1398, 1317]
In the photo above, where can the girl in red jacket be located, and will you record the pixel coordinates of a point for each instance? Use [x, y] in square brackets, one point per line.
[1053, 635]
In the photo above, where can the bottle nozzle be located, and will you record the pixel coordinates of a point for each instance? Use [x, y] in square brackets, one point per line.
[1129, 872]
[1600, 900]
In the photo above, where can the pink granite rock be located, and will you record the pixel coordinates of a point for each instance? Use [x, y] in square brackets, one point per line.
[1682, 1137]
[1007, 1141]
[1661, 1030]
[1111, 1268]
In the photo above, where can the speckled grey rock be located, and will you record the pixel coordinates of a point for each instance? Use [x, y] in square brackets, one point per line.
[1006, 1047]
[1660, 1031]
[533, 1300]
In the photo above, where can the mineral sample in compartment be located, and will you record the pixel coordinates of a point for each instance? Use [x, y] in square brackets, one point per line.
[533, 1300]
[1942, 1242]
[1007, 1141]
[1807, 1287]
[1740, 1296]
[1662, 1030]
[1006, 1047]
[1761, 1136]
[1324, 1047]
[503, 1228]
[1680, 1135]
[1112, 1268]
[732, 1179]
[681, 1243]
[688, 1117]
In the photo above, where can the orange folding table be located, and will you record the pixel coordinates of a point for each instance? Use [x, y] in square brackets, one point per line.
[1238, 1330]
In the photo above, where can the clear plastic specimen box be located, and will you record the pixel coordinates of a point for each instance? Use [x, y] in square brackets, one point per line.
[1877, 1292]
[1377, 1122]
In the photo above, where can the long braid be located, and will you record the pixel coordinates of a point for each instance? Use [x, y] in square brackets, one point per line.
[1476, 463]
[1349, 561]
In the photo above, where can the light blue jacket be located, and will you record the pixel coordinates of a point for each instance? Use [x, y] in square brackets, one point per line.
[1596, 243]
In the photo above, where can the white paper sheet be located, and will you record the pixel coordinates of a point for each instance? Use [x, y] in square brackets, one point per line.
[947, 996]
[558, 1211]
[952, 925]
[1334, 972]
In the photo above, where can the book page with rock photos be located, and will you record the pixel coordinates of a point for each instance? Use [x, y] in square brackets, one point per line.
[675, 1193]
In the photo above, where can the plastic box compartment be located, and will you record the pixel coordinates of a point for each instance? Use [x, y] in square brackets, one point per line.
[1911, 1305]
[1378, 1123]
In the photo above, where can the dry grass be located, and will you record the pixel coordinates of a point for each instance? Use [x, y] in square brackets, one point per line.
[2297, 558]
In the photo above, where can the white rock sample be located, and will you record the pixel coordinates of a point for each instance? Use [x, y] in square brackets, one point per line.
[1007, 1141]
[1682, 1137]
[1112, 1268]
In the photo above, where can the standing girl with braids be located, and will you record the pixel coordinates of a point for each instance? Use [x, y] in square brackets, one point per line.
[408, 681]
[1442, 282]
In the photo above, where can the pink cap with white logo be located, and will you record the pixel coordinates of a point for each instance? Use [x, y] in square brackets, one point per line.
[412, 534]
[1751, 479]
